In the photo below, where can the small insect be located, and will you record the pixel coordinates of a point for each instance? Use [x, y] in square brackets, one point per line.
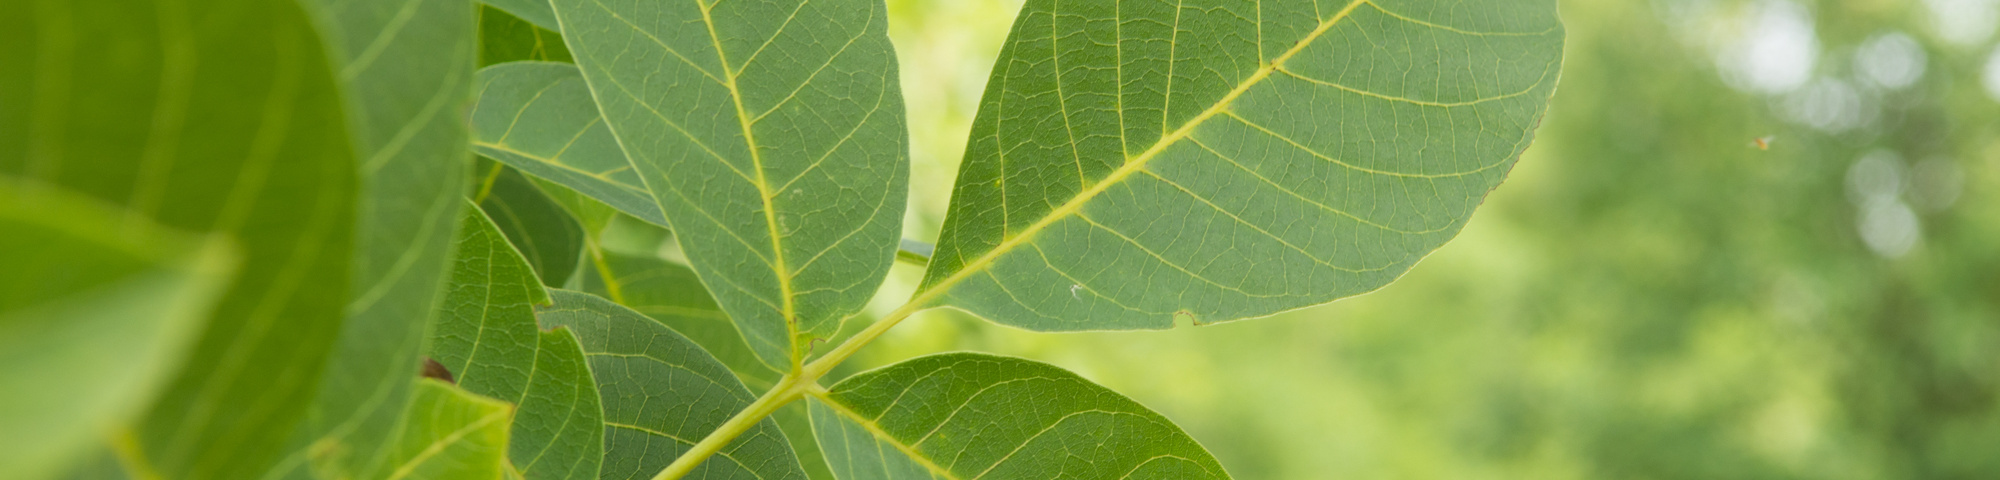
[1762, 143]
[1072, 291]
[433, 369]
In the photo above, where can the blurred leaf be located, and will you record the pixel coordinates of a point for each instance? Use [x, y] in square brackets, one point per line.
[505, 38]
[217, 117]
[450, 434]
[406, 69]
[662, 393]
[97, 309]
[539, 117]
[972, 415]
[1219, 162]
[543, 230]
[489, 342]
[778, 154]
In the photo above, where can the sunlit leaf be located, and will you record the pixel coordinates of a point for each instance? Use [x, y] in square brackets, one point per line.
[662, 394]
[539, 117]
[771, 134]
[218, 117]
[489, 342]
[543, 230]
[449, 434]
[971, 415]
[97, 308]
[406, 69]
[1137, 162]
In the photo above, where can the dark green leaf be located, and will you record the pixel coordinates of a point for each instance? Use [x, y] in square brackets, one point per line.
[536, 12]
[771, 135]
[670, 293]
[539, 117]
[970, 415]
[505, 38]
[489, 342]
[221, 117]
[662, 394]
[1137, 162]
[97, 308]
[543, 230]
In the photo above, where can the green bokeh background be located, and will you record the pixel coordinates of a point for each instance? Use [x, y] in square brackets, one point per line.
[1649, 295]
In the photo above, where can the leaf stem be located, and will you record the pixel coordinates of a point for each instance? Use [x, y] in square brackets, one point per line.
[788, 389]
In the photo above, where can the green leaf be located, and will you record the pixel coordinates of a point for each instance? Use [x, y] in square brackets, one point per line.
[670, 293]
[771, 135]
[539, 117]
[450, 434]
[542, 230]
[1227, 159]
[97, 309]
[971, 415]
[536, 12]
[406, 69]
[505, 38]
[488, 340]
[662, 394]
[219, 117]
[593, 215]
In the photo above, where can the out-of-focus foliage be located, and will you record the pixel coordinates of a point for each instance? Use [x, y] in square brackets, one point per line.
[1755, 239]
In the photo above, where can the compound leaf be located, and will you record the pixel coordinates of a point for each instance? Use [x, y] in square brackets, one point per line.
[662, 393]
[972, 415]
[1135, 162]
[97, 308]
[771, 135]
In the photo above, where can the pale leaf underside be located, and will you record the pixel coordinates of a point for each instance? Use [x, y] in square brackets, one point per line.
[966, 416]
[770, 134]
[1134, 162]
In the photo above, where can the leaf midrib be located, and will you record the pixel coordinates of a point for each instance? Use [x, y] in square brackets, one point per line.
[1134, 164]
[875, 429]
[743, 118]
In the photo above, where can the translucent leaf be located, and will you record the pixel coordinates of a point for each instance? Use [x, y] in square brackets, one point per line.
[771, 136]
[1137, 162]
[97, 308]
[971, 415]
[661, 394]
[450, 434]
